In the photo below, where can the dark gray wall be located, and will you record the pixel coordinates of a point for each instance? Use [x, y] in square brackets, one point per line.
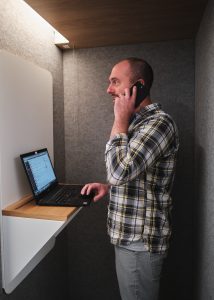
[28, 36]
[88, 120]
[204, 141]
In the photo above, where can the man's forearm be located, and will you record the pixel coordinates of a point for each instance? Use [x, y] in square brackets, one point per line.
[119, 127]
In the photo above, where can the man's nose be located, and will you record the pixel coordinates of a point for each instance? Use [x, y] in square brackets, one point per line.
[109, 89]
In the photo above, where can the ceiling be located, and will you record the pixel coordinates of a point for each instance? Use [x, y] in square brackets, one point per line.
[95, 23]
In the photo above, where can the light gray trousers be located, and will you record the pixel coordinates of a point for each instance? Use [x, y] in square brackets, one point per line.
[138, 273]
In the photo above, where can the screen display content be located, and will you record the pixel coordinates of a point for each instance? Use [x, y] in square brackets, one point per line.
[40, 171]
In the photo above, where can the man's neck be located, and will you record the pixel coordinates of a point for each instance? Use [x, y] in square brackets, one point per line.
[143, 104]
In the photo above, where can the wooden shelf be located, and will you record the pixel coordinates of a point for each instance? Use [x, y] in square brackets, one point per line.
[27, 208]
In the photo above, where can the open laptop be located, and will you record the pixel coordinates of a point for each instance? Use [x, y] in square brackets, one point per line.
[44, 183]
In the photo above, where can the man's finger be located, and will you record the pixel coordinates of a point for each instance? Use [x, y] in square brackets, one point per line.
[86, 189]
[127, 93]
[134, 92]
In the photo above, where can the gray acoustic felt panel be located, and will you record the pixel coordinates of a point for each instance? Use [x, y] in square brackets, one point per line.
[204, 158]
[88, 121]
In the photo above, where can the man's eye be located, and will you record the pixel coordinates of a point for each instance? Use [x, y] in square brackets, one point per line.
[115, 82]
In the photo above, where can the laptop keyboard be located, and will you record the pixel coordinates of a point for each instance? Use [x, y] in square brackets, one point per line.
[62, 194]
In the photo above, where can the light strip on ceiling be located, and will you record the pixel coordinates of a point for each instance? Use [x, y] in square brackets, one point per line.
[58, 38]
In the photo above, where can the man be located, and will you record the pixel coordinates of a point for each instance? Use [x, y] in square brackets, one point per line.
[140, 162]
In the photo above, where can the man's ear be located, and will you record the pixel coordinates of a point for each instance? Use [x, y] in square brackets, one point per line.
[142, 81]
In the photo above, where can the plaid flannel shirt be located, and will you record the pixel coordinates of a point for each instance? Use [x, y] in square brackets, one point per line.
[140, 169]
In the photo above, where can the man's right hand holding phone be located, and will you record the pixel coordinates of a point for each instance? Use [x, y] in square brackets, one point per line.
[124, 108]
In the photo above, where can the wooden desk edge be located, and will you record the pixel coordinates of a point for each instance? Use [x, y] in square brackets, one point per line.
[26, 208]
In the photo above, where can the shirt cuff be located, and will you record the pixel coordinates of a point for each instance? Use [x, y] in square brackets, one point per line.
[120, 139]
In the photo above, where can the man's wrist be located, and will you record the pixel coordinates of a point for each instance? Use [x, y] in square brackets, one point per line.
[119, 127]
[122, 121]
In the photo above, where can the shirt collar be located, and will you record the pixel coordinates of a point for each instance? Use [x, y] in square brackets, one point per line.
[145, 112]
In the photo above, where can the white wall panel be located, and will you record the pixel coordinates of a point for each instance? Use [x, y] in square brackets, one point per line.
[26, 120]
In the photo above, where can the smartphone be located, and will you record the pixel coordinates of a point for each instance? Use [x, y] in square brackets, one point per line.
[142, 92]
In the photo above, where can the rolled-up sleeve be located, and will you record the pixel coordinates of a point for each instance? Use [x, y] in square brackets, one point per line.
[127, 158]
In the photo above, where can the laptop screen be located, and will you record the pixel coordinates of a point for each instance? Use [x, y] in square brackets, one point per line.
[39, 170]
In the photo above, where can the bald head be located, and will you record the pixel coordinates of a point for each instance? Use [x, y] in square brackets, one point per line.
[138, 69]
